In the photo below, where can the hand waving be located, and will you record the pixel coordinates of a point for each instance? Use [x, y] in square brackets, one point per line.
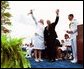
[57, 11]
[31, 12]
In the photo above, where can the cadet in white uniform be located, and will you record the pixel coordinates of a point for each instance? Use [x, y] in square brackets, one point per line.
[73, 35]
[29, 51]
[39, 38]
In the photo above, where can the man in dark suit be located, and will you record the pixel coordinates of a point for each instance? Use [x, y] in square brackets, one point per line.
[50, 38]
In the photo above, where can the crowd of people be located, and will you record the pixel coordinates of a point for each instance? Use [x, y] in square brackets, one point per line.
[46, 39]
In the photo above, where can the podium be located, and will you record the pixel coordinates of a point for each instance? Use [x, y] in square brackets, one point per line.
[80, 44]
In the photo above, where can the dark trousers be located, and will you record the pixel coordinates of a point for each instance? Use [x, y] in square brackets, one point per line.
[52, 45]
[51, 50]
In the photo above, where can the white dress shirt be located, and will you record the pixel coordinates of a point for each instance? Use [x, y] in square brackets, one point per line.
[73, 27]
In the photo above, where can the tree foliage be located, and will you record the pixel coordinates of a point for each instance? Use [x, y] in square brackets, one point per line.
[5, 16]
[12, 55]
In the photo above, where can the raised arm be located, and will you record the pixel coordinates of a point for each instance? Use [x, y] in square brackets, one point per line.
[31, 12]
[57, 17]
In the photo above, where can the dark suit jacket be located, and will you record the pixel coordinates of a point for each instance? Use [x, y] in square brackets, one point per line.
[51, 34]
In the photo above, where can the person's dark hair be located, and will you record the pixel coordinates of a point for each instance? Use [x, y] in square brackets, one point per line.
[66, 35]
[71, 15]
